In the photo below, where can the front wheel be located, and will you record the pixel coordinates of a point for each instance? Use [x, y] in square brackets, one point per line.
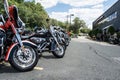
[24, 60]
[67, 43]
[59, 52]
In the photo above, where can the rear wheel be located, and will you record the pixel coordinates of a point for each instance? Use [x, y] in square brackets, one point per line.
[24, 61]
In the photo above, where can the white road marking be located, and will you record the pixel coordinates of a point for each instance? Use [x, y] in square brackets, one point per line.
[5, 63]
[38, 68]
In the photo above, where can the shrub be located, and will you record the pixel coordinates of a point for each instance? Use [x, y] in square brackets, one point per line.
[118, 34]
[111, 30]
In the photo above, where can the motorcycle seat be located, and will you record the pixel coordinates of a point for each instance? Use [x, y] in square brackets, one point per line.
[25, 37]
[16, 17]
[42, 34]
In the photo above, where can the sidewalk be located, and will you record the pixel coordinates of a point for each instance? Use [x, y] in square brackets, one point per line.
[84, 39]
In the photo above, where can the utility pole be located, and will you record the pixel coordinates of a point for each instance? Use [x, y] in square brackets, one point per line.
[70, 18]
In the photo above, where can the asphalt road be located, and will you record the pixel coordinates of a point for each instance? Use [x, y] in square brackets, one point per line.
[84, 60]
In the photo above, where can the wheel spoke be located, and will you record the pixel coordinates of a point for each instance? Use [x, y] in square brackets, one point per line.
[25, 59]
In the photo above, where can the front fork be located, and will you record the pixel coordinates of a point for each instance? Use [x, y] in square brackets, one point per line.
[19, 39]
[17, 35]
[20, 42]
[53, 43]
[56, 41]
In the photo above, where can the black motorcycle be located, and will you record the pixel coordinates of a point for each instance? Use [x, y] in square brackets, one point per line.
[46, 40]
[63, 36]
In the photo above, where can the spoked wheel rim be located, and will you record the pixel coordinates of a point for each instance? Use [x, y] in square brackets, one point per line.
[26, 58]
[59, 50]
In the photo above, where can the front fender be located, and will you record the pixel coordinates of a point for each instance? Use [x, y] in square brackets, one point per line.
[15, 46]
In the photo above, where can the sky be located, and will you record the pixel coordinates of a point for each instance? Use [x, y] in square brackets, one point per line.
[87, 10]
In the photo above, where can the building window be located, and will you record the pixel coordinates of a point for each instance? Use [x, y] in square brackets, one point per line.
[113, 16]
[109, 18]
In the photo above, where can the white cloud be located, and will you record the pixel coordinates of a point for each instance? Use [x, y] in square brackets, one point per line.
[79, 3]
[61, 16]
[74, 3]
[47, 3]
[80, 9]
[98, 6]
[87, 14]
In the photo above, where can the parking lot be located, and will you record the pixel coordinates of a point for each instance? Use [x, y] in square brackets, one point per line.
[84, 60]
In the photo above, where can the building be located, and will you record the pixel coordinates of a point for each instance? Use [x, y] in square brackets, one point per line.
[109, 18]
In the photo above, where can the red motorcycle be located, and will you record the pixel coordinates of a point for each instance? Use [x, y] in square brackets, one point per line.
[22, 55]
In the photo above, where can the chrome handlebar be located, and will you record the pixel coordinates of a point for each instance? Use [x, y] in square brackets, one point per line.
[6, 6]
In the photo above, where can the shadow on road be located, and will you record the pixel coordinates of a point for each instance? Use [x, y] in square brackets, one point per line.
[49, 57]
[7, 69]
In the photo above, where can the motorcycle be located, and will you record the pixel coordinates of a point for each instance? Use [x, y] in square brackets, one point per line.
[22, 55]
[64, 36]
[46, 40]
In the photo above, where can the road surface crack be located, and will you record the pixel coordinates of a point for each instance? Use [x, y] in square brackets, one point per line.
[99, 53]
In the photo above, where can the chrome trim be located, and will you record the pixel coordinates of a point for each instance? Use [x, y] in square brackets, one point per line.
[2, 29]
[1, 42]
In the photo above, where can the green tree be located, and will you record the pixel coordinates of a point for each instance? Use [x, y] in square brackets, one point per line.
[54, 22]
[1, 6]
[32, 14]
[85, 30]
[19, 1]
[62, 24]
[77, 24]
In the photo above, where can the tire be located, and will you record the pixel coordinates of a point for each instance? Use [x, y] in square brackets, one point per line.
[22, 62]
[60, 54]
[67, 43]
